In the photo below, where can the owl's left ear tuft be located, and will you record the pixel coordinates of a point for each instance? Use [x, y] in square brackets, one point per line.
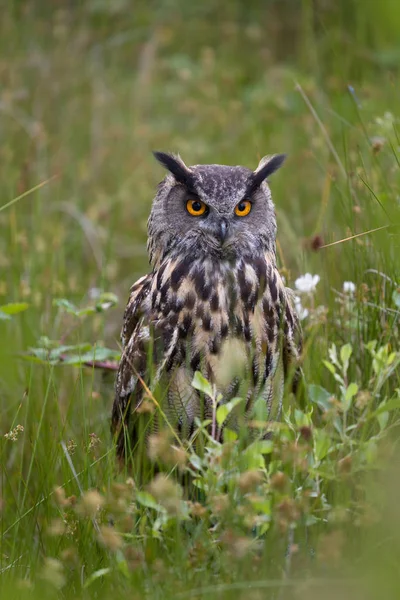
[267, 166]
[175, 165]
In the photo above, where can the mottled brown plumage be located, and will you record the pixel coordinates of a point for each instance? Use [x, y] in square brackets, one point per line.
[214, 302]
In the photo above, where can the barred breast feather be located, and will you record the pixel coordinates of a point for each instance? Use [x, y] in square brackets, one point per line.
[234, 322]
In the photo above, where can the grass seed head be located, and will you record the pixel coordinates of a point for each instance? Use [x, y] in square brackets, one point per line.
[53, 572]
[71, 446]
[279, 481]
[13, 435]
[110, 538]
[56, 527]
[219, 503]
[197, 509]
[250, 480]
[160, 446]
[146, 407]
[90, 503]
[94, 443]
[166, 492]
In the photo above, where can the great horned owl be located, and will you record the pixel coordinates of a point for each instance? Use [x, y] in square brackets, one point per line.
[213, 302]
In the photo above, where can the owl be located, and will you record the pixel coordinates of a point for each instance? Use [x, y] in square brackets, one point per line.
[213, 302]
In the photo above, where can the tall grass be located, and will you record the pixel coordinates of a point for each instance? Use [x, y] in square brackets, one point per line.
[86, 93]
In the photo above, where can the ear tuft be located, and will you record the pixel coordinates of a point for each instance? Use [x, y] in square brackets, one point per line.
[267, 166]
[175, 165]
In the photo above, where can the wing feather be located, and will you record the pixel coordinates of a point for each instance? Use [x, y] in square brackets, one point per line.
[293, 342]
[135, 335]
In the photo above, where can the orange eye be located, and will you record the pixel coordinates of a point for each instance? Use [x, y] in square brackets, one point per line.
[243, 208]
[196, 208]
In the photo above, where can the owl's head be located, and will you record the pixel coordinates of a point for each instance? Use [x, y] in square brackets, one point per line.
[212, 210]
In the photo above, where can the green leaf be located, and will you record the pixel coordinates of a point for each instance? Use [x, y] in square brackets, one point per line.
[196, 462]
[329, 366]
[41, 353]
[332, 352]
[322, 443]
[66, 305]
[384, 407]
[382, 419]
[105, 301]
[224, 410]
[229, 435]
[200, 383]
[371, 451]
[301, 418]
[320, 396]
[147, 500]
[122, 565]
[349, 395]
[94, 354]
[261, 504]
[345, 353]
[96, 575]
[13, 308]
[261, 447]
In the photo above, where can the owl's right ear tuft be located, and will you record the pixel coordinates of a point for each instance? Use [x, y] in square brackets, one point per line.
[176, 166]
[267, 166]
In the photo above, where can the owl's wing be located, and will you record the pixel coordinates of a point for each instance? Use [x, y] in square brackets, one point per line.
[292, 342]
[135, 335]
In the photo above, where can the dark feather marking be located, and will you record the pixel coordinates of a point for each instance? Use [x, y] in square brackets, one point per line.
[215, 345]
[271, 332]
[245, 287]
[214, 302]
[246, 328]
[190, 300]
[289, 316]
[166, 309]
[178, 273]
[272, 287]
[186, 325]
[206, 293]
[238, 326]
[195, 362]
[177, 304]
[200, 310]
[173, 320]
[207, 322]
[171, 359]
[268, 362]
[203, 288]
[267, 308]
[224, 330]
[259, 266]
[251, 302]
[261, 272]
[160, 275]
[254, 371]
[164, 291]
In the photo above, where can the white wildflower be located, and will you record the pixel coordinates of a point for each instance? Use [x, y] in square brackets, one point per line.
[307, 283]
[349, 287]
[301, 311]
[94, 293]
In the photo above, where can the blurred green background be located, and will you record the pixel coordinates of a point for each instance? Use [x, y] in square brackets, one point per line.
[87, 90]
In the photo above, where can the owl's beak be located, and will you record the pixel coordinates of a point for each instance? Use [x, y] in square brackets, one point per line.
[223, 230]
